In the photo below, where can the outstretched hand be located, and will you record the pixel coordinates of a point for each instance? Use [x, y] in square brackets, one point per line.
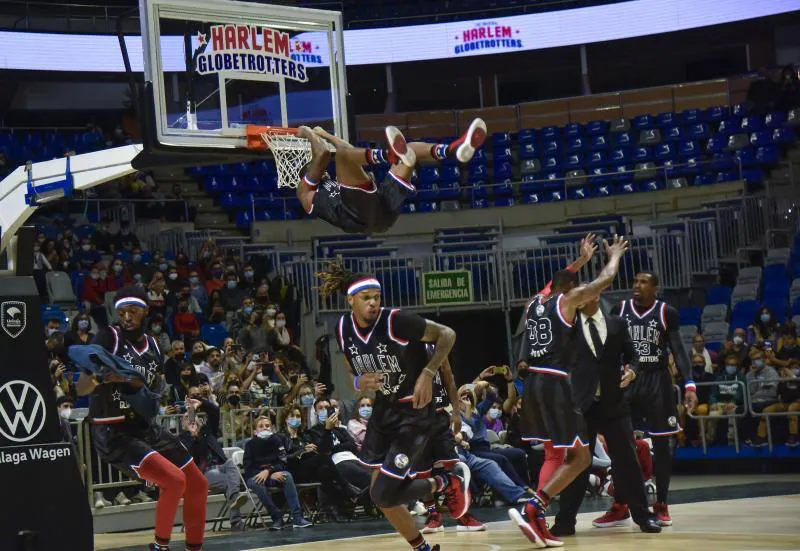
[588, 247]
[617, 247]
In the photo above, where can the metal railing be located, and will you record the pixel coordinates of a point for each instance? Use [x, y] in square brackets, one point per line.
[703, 419]
[768, 416]
[118, 210]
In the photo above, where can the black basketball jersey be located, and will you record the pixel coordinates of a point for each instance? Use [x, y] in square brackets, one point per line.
[440, 397]
[107, 403]
[648, 331]
[391, 347]
[549, 335]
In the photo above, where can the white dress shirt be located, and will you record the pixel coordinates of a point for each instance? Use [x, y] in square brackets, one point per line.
[599, 323]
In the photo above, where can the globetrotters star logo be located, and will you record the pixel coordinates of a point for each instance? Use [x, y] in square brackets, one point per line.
[13, 317]
[22, 411]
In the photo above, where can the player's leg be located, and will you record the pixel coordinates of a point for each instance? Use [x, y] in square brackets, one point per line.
[320, 156]
[662, 414]
[350, 161]
[553, 458]
[396, 512]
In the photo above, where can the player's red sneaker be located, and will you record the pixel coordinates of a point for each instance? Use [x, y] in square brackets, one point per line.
[661, 510]
[398, 148]
[534, 526]
[616, 516]
[472, 139]
[456, 494]
[468, 523]
[433, 524]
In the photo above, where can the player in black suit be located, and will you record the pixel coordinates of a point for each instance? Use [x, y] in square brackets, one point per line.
[353, 201]
[603, 365]
[385, 349]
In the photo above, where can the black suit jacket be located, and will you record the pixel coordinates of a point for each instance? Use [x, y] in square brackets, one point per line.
[588, 370]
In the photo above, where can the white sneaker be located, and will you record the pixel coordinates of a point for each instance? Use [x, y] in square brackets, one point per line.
[419, 510]
[121, 499]
[397, 144]
[100, 501]
[142, 497]
[472, 139]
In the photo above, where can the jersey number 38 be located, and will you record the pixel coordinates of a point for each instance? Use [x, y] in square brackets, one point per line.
[540, 332]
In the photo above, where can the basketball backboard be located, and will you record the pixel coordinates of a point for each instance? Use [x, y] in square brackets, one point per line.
[215, 66]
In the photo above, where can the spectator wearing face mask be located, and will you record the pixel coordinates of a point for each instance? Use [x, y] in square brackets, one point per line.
[737, 347]
[140, 271]
[51, 327]
[332, 439]
[241, 317]
[94, 292]
[248, 283]
[235, 410]
[789, 392]
[788, 354]
[727, 398]
[265, 467]
[184, 293]
[197, 289]
[79, 331]
[262, 296]
[186, 324]
[64, 406]
[215, 313]
[699, 347]
[157, 295]
[118, 276]
[280, 338]
[269, 317]
[156, 328]
[493, 418]
[216, 281]
[125, 238]
[88, 256]
[357, 426]
[176, 357]
[762, 385]
[307, 465]
[764, 327]
[187, 378]
[174, 283]
[231, 295]
[699, 375]
[206, 254]
[265, 380]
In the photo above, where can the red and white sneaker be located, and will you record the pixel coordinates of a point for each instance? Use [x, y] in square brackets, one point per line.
[661, 510]
[616, 516]
[456, 494]
[534, 526]
[433, 524]
[398, 148]
[472, 139]
[468, 523]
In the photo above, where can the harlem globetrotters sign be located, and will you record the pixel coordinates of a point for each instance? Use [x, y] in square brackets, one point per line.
[249, 49]
[488, 35]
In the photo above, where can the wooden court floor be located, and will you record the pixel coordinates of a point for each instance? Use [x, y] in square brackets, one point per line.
[747, 524]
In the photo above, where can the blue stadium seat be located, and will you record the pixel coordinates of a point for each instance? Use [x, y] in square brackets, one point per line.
[428, 206]
[428, 174]
[503, 188]
[573, 161]
[651, 185]
[549, 133]
[528, 150]
[774, 275]
[729, 126]
[531, 198]
[690, 316]
[575, 144]
[579, 192]
[717, 113]
[719, 294]
[796, 307]
[551, 147]
[775, 119]
[501, 139]
[761, 138]
[551, 163]
[664, 151]
[619, 155]
[642, 154]
[698, 131]
[477, 190]
[727, 176]
[622, 174]
[753, 175]
[502, 154]
[598, 143]
[503, 171]
[623, 139]
[477, 172]
[449, 173]
[409, 207]
[704, 179]
[573, 129]
[642, 122]
[480, 204]
[768, 155]
[672, 134]
[427, 191]
[716, 144]
[596, 128]
[746, 157]
[690, 116]
[752, 124]
[689, 148]
[740, 109]
[479, 157]
[667, 118]
[526, 135]
[783, 136]
[504, 202]
[599, 175]
[723, 161]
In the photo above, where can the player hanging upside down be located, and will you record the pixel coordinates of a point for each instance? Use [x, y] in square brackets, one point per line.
[354, 202]
[386, 352]
[548, 411]
[128, 438]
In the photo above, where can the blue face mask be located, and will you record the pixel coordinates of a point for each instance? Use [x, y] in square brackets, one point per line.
[247, 310]
[322, 415]
[731, 369]
[495, 413]
[137, 258]
[137, 277]
[765, 318]
[231, 284]
[264, 434]
[248, 274]
[365, 412]
[758, 363]
[194, 279]
[293, 422]
[83, 324]
[307, 400]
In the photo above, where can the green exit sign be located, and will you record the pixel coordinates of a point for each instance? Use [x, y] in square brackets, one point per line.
[441, 288]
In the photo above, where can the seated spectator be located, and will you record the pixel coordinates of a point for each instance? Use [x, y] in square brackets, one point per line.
[266, 381]
[254, 334]
[215, 312]
[174, 283]
[234, 413]
[738, 347]
[62, 383]
[184, 293]
[265, 467]
[262, 296]
[765, 326]
[308, 465]
[788, 355]
[332, 439]
[699, 347]
[699, 375]
[762, 386]
[102, 238]
[198, 290]
[493, 418]
[216, 282]
[119, 276]
[79, 332]
[241, 317]
[187, 378]
[357, 426]
[185, 323]
[156, 328]
[157, 296]
[231, 295]
[727, 398]
[176, 357]
[280, 338]
[248, 283]
[269, 317]
[788, 96]
[88, 256]
[789, 392]
[126, 239]
[222, 473]
[140, 271]
[182, 265]
[511, 460]
[52, 326]
[93, 295]
[212, 367]
[64, 406]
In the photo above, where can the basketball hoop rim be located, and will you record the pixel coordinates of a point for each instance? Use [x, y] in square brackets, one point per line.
[255, 139]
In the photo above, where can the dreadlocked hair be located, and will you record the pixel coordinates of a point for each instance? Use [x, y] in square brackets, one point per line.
[336, 278]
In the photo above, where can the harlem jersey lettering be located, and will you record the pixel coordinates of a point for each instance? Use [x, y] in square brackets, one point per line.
[108, 403]
[548, 334]
[648, 331]
[391, 346]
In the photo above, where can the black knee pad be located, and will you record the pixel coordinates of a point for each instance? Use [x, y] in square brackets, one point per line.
[384, 491]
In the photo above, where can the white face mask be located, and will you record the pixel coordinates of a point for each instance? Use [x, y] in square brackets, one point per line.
[65, 413]
[264, 434]
[280, 324]
[271, 311]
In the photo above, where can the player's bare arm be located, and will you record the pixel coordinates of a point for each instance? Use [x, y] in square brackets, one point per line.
[443, 338]
[452, 392]
[579, 295]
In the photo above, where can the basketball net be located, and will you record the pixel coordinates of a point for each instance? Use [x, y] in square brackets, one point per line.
[290, 151]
